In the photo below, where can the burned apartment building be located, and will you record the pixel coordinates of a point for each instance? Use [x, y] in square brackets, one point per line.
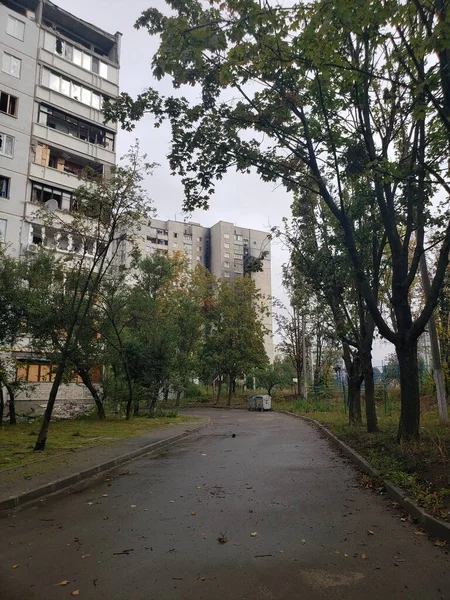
[56, 71]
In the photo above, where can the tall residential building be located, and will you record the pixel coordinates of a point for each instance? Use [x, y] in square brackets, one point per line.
[224, 249]
[55, 73]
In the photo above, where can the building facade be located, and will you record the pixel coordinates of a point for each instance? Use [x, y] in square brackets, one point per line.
[224, 249]
[55, 73]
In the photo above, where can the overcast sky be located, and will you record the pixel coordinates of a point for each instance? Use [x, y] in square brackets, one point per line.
[240, 199]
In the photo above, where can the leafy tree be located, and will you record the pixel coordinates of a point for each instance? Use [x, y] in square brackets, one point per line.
[107, 213]
[338, 91]
[273, 375]
[234, 341]
[13, 303]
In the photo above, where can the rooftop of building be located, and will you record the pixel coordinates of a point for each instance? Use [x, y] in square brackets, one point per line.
[76, 27]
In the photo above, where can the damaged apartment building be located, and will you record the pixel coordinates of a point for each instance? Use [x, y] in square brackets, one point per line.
[56, 71]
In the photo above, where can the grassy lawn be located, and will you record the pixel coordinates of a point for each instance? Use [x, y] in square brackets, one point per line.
[16, 443]
[423, 470]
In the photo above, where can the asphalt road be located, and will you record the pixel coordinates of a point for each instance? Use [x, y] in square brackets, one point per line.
[294, 513]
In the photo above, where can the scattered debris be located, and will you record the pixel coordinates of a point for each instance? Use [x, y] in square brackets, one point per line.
[63, 583]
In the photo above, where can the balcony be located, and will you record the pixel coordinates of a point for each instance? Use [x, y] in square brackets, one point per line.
[93, 151]
[72, 70]
[55, 167]
[54, 176]
[70, 105]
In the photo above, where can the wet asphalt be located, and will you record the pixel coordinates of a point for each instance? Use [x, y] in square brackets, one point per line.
[297, 521]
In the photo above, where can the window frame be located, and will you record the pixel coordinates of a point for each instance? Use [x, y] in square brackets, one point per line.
[15, 21]
[11, 56]
[5, 185]
[8, 104]
[3, 228]
[4, 137]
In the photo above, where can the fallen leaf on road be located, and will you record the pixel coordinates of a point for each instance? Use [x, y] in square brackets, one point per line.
[65, 582]
[336, 551]
[254, 534]
[364, 557]
[193, 513]
[15, 566]
[202, 578]
[105, 518]
[370, 532]
[104, 495]
[171, 501]
[203, 454]
[90, 503]
[75, 593]
[133, 505]
[85, 555]
[303, 541]
[440, 543]
[222, 539]
[198, 487]
[420, 533]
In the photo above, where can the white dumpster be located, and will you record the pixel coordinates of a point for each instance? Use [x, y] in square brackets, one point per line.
[260, 403]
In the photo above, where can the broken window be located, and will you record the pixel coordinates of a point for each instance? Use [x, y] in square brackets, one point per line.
[6, 145]
[11, 65]
[4, 187]
[8, 104]
[45, 193]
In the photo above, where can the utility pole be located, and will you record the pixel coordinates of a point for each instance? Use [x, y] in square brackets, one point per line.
[305, 372]
[434, 343]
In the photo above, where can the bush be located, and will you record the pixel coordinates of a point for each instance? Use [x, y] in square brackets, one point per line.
[193, 390]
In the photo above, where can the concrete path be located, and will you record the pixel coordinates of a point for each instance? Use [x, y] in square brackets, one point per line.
[150, 532]
[19, 480]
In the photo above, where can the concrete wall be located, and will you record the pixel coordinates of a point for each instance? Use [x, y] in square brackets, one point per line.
[34, 398]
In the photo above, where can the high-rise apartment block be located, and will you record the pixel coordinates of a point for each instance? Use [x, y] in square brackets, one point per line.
[55, 73]
[224, 249]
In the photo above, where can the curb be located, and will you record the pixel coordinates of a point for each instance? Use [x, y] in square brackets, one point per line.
[61, 484]
[431, 524]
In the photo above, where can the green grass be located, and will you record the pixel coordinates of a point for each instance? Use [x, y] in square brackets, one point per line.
[423, 469]
[16, 442]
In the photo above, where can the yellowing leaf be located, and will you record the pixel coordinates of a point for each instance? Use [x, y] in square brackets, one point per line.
[15, 566]
[65, 582]
[336, 551]
[202, 578]
[254, 534]
[75, 593]
[193, 513]
[364, 556]
[222, 539]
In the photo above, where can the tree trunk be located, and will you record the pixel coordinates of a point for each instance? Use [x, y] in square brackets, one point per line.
[136, 408]
[2, 403]
[435, 351]
[219, 389]
[408, 428]
[369, 394]
[166, 395]
[230, 390]
[90, 386]
[354, 399]
[152, 406]
[11, 404]
[42, 437]
[130, 392]
[354, 380]
[177, 401]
